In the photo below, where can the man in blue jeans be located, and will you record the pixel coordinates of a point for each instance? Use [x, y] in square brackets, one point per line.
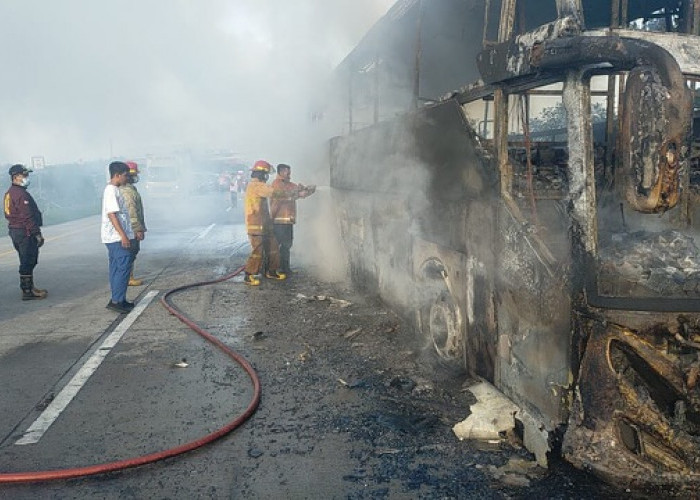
[116, 233]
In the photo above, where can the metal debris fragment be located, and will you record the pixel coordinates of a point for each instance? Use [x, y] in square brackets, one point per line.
[516, 472]
[352, 333]
[181, 364]
[492, 415]
[305, 356]
[325, 298]
[353, 383]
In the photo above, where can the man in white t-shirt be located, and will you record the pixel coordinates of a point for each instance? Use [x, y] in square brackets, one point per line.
[115, 233]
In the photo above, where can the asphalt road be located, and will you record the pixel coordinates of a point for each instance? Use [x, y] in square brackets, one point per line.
[138, 398]
[349, 409]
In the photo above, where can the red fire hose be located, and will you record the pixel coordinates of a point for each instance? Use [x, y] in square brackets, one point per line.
[50, 475]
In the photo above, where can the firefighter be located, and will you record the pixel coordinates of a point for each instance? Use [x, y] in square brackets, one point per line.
[237, 187]
[224, 181]
[259, 226]
[284, 212]
[24, 222]
[132, 198]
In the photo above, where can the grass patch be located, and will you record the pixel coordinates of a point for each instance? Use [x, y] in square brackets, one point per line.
[57, 215]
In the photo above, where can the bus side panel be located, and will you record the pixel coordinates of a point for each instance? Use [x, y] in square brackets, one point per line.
[534, 315]
[416, 203]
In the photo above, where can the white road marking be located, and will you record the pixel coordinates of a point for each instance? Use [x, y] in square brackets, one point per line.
[205, 232]
[60, 402]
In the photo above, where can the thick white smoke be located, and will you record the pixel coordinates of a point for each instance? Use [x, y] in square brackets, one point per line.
[86, 79]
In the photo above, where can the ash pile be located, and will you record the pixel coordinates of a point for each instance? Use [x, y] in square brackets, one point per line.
[666, 263]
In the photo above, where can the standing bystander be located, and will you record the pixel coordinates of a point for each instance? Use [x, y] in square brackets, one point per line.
[24, 224]
[134, 205]
[116, 233]
[284, 212]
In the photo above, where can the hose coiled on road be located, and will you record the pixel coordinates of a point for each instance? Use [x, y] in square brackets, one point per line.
[51, 475]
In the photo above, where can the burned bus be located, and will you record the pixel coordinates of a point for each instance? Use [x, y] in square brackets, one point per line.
[538, 226]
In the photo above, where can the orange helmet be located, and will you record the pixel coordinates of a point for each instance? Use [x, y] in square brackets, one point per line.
[262, 166]
[133, 168]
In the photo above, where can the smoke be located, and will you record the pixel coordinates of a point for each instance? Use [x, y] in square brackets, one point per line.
[87, 79]
[318, 244]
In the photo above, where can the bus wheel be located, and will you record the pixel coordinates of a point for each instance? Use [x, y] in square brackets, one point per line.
[439, 316]
[444, 328]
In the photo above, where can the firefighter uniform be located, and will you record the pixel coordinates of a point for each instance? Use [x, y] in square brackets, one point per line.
[134, 204]
[259, 226]
[133, 201]
[24, 223]
[284, 212]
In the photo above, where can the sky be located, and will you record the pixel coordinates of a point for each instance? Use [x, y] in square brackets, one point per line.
[89, 79]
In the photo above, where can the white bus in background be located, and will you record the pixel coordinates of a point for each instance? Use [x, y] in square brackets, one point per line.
[164, 176]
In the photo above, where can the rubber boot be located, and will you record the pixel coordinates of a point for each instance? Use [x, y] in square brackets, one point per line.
[275, 275]
[284, 264]
[26, 283]
[40, 291]
[134, 281]
[251, 280]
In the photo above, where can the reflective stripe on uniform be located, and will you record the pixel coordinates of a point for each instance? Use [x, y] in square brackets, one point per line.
[284, 220]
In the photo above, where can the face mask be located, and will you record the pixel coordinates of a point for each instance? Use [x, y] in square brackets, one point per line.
[134, 179]
[24, 182]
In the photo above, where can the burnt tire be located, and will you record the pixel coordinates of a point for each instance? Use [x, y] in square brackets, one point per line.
[443, 326]
[439, 317]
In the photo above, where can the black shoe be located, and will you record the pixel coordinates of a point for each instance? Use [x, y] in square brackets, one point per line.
[129, 305]
[118, 306]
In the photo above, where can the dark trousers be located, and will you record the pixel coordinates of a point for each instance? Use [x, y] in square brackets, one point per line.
[134, 249]
[27, 249]
[284, 234]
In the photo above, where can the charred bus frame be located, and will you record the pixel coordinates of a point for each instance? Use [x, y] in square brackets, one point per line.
[507, 240]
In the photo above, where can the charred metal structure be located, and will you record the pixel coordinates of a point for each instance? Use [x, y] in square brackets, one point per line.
[537, 225]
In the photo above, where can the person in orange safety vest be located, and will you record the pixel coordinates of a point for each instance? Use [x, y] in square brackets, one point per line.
[259, 226]
[284, 212]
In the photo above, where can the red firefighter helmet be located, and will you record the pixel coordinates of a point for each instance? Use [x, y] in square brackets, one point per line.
[262, 166]
[133, 168]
